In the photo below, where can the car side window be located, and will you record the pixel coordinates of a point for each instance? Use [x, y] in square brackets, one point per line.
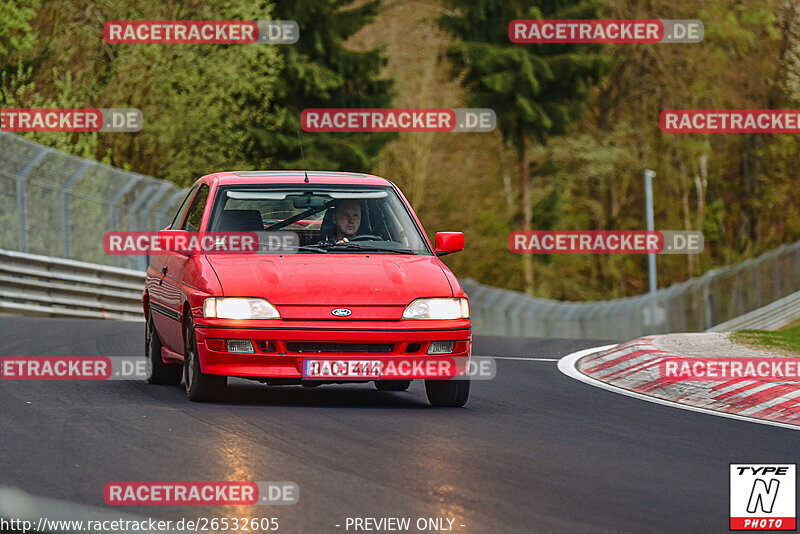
[182, 210]
[195, 216]
[392, 220]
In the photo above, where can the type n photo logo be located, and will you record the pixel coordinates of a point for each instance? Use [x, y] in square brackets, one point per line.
[763, 496]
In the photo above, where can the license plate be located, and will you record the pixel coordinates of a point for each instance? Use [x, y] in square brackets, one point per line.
[326, 369]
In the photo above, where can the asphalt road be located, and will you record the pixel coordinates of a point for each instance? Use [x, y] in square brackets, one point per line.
[533, 451]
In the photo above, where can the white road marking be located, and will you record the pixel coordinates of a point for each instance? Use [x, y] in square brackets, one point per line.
[516, 358]
[567, 366]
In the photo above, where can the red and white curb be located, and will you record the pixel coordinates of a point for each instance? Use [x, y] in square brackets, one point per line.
[632, 369]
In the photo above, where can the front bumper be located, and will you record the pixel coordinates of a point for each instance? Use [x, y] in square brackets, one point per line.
[280, 346]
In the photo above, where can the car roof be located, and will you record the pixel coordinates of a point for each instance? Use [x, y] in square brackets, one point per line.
[295, 177]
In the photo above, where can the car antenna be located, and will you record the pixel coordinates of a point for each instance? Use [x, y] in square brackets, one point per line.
[302, 155]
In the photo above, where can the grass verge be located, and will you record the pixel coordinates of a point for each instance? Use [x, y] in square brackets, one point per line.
[785, 341]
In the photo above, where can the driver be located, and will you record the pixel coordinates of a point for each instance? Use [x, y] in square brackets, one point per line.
[346, 220]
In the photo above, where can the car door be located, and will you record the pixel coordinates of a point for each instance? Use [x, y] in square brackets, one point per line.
[175, 286]
[163, 314]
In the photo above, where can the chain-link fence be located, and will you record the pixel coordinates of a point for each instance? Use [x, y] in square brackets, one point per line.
[56, 204]
[59, 205]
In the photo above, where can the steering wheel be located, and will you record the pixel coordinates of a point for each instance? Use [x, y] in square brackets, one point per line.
[365, 237]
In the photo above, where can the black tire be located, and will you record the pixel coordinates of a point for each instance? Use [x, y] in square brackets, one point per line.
[200, 386]
[392, 385]
[447, 393]
[158, 372]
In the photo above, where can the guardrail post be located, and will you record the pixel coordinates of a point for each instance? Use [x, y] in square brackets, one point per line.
[569, 319]
[65, 215]
[112, 208]
[144, 261]
[22, 211]
[163, 190]
[796, 284]
[133, 222]
[707, 304]
[651, 258]
[136, 206]
[757, 278]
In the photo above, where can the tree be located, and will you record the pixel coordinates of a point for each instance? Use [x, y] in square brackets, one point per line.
[536, 90]
[206, 107]
[320, 72]
[16, 33]
[200, 102]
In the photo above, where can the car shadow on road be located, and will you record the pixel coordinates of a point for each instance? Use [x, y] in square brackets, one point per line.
[327, 396]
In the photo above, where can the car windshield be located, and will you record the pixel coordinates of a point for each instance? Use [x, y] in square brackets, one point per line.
[370, 219]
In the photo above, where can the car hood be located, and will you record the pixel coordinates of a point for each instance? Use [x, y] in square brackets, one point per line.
[331, 279]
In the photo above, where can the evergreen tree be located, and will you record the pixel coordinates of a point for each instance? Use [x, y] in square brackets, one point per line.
[319, 72]
[16, 33]
[536, 90]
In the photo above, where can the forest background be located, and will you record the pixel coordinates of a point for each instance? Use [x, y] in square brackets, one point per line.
[589, 115]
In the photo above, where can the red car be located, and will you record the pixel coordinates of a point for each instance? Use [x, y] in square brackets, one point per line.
[358, 294]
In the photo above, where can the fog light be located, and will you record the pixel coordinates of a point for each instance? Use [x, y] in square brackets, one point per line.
[216, 344]
[461, 346]
[441, 347]
[242, 346]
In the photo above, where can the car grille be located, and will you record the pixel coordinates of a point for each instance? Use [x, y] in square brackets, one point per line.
[304, 347]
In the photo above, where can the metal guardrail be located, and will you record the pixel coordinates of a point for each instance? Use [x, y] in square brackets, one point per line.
[55, 287]
[770, 317]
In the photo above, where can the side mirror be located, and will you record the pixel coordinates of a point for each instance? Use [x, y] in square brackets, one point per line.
[449, 242]
[175, 241]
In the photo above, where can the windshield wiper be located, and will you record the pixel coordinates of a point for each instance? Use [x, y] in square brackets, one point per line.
[310, 248]
[369, 248]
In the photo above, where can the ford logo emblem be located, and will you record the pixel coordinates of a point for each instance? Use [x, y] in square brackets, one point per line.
[341, 312]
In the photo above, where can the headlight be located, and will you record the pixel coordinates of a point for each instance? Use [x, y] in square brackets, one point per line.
[239, 308]
[437, 309]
